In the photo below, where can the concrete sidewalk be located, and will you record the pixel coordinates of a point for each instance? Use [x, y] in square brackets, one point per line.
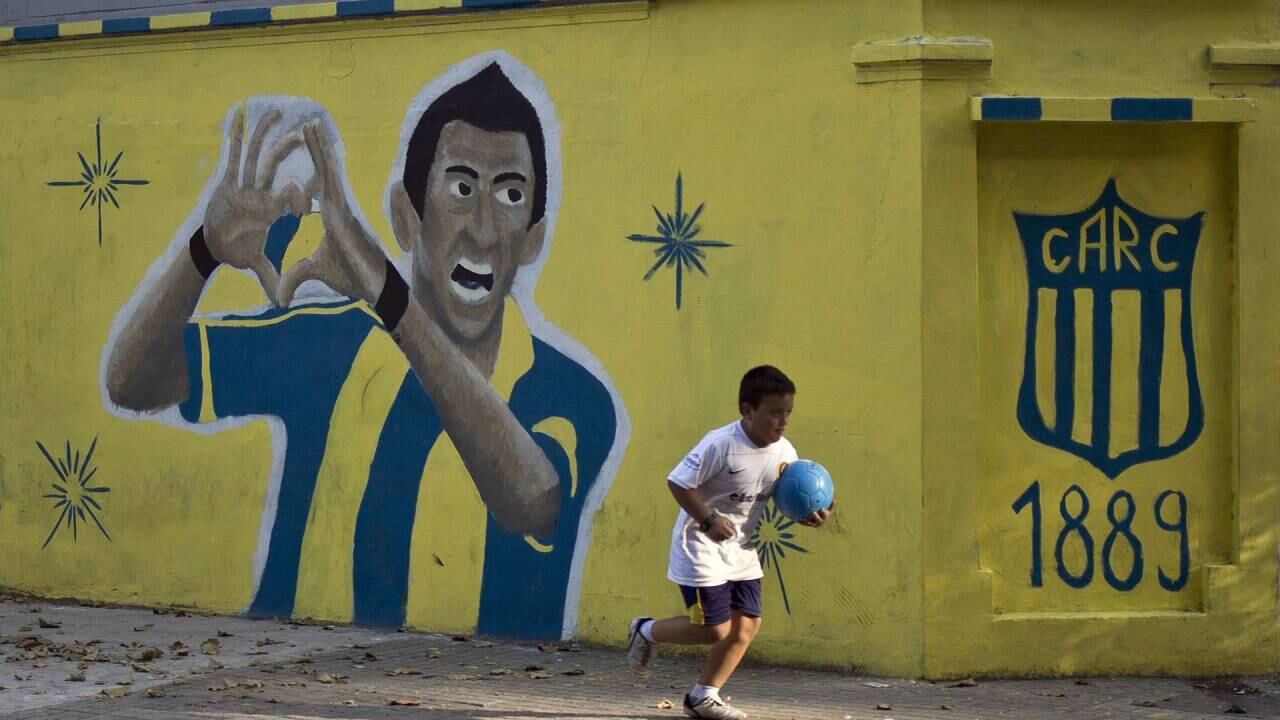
[71, 661]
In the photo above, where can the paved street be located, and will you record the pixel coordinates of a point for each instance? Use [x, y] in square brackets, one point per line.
[70, 661]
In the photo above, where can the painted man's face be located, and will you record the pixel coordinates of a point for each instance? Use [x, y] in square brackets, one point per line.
[475, 229]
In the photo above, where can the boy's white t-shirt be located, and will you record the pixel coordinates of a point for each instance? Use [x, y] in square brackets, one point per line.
[735, 478]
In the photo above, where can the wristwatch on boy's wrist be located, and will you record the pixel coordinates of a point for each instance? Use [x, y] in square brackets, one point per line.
[705, 525]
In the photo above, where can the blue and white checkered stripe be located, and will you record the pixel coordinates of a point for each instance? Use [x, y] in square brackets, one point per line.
[343, 9]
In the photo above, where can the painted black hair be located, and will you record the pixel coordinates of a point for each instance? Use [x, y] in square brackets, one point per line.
[489, 101]
[761, 381]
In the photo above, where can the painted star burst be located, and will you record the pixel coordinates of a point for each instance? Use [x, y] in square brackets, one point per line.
[73, 492]
[98, 181]
[675, 240]
[772, 540]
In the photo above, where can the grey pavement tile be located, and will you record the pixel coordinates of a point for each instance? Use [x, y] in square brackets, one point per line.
[356, 674]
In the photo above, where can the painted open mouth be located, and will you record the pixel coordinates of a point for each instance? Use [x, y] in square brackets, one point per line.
[472, 281]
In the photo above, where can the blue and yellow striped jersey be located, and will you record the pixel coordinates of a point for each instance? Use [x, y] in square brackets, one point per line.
[372, 496]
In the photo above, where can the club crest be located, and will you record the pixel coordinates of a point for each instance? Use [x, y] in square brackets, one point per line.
[1109, 269]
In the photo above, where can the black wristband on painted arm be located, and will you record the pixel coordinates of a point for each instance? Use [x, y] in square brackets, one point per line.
[200, 255]
[393, 300]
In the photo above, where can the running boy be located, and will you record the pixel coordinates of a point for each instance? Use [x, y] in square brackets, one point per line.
[722, 487]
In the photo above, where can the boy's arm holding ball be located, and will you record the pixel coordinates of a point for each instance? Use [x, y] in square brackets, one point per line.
[717, 527]
[820, 517]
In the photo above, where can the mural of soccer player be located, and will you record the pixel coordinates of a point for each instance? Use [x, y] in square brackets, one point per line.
[472, 201]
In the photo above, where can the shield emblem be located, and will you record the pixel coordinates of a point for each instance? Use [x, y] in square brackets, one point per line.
[1105, 276]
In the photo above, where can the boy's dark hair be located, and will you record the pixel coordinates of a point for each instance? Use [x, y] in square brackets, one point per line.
[761, 381]
[490, 102]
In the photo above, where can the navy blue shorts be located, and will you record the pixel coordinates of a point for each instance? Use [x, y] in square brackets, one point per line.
[714, 605]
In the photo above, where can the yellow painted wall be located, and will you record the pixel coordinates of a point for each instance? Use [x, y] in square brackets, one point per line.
[985, 612]
[874, 258]
[813, 180]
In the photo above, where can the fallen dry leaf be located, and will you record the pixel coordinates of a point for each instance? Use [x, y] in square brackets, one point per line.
[533, 668]
[210, 646]
[665, 704]
[405, 701]
[268, 641]
[500, 671]
[154, 693]
[127, 679]
[76, 677]
[540, 676]
[575, 671]
[48, 625]
[964, 684]
[224, 633]
[144, 628]
[404, 671]
[115, 692]
[883, 706]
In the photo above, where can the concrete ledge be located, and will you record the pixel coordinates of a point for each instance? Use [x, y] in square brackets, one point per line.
[923, 58]
[1223, 55]
[1240, 63]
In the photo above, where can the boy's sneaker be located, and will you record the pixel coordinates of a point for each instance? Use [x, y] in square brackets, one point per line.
[639, 650]
[712, 708]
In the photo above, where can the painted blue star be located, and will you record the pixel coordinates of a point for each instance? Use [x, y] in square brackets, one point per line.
[675, 241]
[72, 491]
[99, 181]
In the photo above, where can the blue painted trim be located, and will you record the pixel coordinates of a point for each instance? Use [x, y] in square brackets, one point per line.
[126, 25]
[36, 32]
[252, 16]
[497, 3]
[361, 8]
[1151, 109]
[260, 16]
[1011, 108]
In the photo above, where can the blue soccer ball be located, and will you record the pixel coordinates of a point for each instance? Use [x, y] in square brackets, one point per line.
[803, 489]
